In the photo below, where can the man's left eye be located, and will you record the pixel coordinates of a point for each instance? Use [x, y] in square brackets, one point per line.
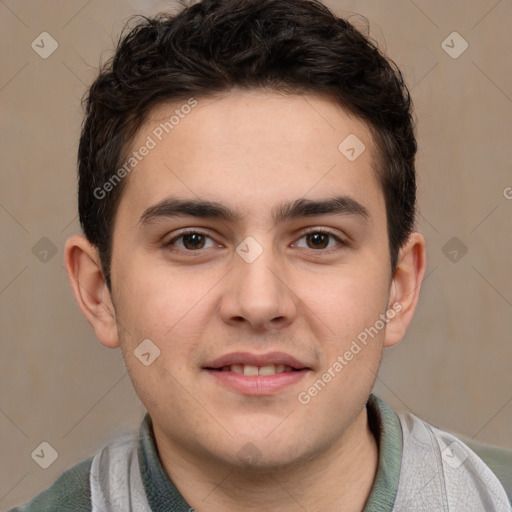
[320, 240]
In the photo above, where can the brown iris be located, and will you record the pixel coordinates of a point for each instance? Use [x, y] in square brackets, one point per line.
[319, 240]
[193, 241]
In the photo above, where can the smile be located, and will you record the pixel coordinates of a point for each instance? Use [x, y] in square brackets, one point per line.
[256, 374]
[250, 370]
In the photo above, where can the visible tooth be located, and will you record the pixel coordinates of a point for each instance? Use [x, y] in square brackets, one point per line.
[280, 368]
[237, 368]
[268, 370]
[250, 370]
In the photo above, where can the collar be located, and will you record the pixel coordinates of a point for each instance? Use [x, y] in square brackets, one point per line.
[384, 423]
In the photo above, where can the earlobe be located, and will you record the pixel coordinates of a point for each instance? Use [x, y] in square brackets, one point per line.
[91, 292]
[405, 287]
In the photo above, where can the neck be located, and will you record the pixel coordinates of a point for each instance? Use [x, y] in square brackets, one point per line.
[340, 478]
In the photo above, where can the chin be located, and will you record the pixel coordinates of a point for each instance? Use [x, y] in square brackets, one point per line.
[263, 452]
[249, 458]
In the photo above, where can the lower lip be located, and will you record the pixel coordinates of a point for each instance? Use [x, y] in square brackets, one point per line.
[257, 385]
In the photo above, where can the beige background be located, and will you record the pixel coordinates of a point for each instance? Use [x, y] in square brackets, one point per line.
[61, 386]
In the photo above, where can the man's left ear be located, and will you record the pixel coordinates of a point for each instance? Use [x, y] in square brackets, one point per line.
[405, 287]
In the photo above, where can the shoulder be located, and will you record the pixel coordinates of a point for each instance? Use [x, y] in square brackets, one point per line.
[69, 493]
[456, 473]
[499, 461]
[72, 491]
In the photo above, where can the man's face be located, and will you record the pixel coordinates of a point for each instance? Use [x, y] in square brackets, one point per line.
[266, 288]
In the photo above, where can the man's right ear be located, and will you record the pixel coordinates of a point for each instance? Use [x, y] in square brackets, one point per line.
[85, 273]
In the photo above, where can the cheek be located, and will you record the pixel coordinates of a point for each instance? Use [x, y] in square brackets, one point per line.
[348, 300]
[170, 309]
[354, 304]
[170, 320]
[351, 338]
[155, 299]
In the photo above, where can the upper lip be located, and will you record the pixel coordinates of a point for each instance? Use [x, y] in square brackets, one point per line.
[260, 360]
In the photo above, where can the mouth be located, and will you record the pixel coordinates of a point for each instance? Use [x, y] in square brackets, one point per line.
[257, 374]
[252, 371]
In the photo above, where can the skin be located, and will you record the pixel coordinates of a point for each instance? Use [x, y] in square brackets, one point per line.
[253, 151]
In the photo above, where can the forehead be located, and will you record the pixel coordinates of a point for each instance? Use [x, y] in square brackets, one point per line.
[252, 150]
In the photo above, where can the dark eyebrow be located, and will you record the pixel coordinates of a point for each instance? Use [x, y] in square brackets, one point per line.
[172, 207]
[182, 207]
[341, 205]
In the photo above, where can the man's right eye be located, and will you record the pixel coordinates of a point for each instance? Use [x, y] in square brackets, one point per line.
[191, 241]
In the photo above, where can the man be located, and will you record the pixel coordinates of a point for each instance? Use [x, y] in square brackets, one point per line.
[247, 195]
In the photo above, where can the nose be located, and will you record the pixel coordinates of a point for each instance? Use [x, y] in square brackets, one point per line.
[257, 295]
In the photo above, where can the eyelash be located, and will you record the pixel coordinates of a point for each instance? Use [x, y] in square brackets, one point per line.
[311, 232]
[188, 232]
[324, 232]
